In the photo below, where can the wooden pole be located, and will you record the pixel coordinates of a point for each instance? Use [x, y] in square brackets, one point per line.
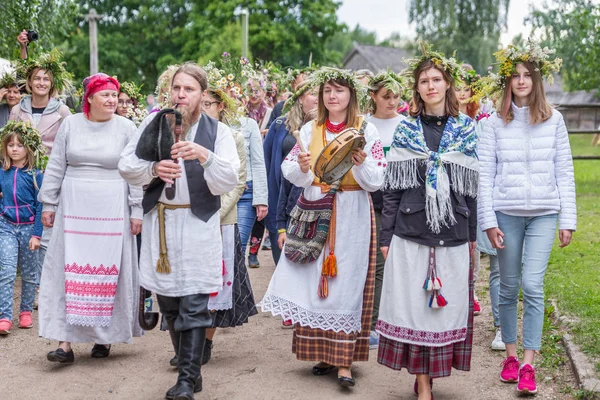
[93, 19]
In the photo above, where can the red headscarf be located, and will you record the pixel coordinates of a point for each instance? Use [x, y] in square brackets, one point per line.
[95, 83]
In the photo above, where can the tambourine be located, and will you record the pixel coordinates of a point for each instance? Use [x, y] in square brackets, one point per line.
[335, 159]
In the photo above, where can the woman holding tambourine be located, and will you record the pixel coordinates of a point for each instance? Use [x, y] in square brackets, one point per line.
[327, 289]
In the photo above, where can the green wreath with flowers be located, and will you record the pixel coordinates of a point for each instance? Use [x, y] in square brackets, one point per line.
[450, 65]
[328, 74]
[388, 80]
[507, 60]
[219, 83]
[8, 79]
[52, 62]
[31, 139]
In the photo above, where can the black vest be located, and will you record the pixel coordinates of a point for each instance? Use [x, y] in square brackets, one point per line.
[203, 203]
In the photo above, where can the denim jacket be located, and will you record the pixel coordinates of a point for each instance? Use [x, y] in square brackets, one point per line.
[19, 203]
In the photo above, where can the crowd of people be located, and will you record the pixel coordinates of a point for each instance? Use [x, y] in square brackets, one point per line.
[382, 256]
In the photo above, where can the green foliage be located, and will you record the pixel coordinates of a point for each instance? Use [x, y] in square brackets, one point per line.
[572, 277]
[50, 18]
[572, 29]
[137, 39]
[470, 27]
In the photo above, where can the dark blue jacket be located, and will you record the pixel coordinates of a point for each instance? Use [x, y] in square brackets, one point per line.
[273, 159]
[288, 197]
[19, 202]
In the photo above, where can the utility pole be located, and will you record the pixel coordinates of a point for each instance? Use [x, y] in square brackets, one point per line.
[93, 19]
[244, 13]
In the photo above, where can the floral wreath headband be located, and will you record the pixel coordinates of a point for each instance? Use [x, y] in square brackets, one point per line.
[328, 74]
[9, 79]
[133, 91]
[49, 62]
[221, 84]
[31, 139]
[391, 81]
[508, 59]
[450, 65]
[289, 103]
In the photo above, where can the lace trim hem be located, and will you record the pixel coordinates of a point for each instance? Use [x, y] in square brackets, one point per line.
[347, 323]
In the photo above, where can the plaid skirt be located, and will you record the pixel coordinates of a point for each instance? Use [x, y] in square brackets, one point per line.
[243, 299]
[338, 348]
[437, 362]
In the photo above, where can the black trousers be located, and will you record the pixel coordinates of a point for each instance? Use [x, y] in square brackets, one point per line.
[187, 312]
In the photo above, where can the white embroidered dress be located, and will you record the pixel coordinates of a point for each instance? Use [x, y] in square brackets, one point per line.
[292, 292]
[93, 206]
[194, 246]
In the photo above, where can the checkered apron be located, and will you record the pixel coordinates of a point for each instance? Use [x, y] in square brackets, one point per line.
[338, 348]
[435, 361]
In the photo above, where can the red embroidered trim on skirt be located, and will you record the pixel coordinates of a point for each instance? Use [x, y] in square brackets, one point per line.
[418, 336]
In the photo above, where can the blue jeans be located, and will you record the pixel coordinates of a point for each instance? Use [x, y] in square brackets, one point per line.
[246, 216]
[527, 245]
[495, 288]
[15, 253]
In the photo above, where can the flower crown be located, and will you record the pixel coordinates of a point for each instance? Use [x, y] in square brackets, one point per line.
[289, 103]
[49, 62]
[133, 91]
[220, 84]
[391, 81]
[508, 58]
[470, 76]
[450, 65]
[8, 79]
[31, 139]
[236, 73]
[163, 87]
[327, 74]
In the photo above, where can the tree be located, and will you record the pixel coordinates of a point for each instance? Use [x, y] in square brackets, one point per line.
[137, 39]
[52, 20]
[470, 27]
[572, 29]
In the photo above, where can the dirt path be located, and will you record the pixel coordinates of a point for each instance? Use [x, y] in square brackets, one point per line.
[251, 362]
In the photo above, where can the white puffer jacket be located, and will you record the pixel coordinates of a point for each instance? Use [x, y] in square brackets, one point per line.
[526, 167]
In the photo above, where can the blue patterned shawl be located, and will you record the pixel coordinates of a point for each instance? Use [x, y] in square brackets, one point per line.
[458, 150]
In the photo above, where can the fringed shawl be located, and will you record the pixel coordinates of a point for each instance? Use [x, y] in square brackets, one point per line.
[458, 150]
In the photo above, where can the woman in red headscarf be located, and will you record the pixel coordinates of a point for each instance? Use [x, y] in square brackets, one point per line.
[89, 286]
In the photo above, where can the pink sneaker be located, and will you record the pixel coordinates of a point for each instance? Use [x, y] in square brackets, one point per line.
[287, 324]
[476, 308]
[510, 370]
[5, 326]
[25, 320]
[527, 380]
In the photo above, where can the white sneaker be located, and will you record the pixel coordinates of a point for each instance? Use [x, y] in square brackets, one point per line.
[497, 343]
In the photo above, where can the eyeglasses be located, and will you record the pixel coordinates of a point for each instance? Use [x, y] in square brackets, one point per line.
[125, 102]
[208, 104]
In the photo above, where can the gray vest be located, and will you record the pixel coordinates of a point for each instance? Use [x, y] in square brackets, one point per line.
[203, 203]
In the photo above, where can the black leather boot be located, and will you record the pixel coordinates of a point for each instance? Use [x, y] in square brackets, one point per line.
[207, 351]
[175, 340]
[189, 381]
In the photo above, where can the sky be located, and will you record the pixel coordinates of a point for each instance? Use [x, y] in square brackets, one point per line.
[387, 16]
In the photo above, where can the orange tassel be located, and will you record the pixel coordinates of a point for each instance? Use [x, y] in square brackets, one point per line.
[330, 266]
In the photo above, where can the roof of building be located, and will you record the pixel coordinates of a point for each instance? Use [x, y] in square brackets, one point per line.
[579, 98]
[376, 58]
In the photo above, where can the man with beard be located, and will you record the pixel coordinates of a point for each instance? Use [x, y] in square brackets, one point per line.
[181, 256]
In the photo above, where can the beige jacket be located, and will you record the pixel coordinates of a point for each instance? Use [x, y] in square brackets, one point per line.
[229, 200]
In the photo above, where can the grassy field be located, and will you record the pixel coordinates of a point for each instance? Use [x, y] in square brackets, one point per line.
[573, 276]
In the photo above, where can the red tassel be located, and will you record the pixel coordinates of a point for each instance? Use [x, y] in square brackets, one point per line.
[441, 300]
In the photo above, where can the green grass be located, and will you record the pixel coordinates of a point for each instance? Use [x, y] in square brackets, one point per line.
[581, 145]
[573, 275]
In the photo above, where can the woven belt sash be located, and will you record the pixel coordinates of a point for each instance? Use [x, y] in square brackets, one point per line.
[163, 266]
